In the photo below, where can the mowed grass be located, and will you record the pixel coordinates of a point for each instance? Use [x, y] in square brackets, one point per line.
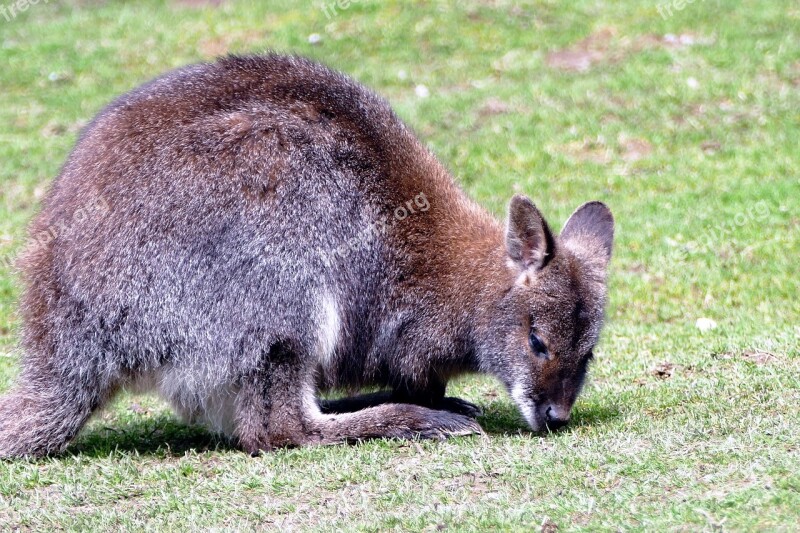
[688, 126]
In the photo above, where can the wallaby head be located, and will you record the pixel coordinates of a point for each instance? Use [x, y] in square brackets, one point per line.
[543, 329]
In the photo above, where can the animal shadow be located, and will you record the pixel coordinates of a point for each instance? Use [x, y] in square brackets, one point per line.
[503, 418]
[166, 436]
[160, 436]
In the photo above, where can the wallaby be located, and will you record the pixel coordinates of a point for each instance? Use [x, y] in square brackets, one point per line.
[243, 235]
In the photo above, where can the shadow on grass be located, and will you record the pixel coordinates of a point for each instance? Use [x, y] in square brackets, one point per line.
[503, 418]
[165, 436]
[162, 436]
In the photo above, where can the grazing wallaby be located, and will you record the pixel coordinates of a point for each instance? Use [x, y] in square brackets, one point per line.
[242, 235]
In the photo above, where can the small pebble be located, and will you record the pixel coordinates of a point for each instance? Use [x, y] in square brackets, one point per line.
[705, 324]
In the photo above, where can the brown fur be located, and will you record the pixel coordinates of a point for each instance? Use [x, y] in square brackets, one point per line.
[251, 256]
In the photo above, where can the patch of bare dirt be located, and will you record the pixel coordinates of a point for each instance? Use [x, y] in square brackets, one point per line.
[53, 129]
[755, 356]
[795, 74]
[581, 519]
[598, 150]
[134, 407]
[220, 45]
[605, 47]
[669, 40]
[636, 268]
[215, 47]
[591, 150]
[493, 106]
[584, 54]
[548, 526]
[711, 147]
[491, 394]
[758, 357]
[663, 370]
[635, 149]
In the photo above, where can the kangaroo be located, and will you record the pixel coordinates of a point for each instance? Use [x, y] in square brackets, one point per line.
[243, 235]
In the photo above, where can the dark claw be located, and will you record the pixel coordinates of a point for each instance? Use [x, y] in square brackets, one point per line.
[459, 406]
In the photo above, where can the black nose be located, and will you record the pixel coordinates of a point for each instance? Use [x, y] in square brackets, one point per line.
[554, 421]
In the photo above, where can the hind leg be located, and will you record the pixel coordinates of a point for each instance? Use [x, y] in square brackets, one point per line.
[44, 412]
[280, 409]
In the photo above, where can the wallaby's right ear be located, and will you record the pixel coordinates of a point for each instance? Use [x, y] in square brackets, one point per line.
[529, 241]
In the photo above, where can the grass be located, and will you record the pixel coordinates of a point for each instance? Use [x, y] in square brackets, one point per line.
[693, 142]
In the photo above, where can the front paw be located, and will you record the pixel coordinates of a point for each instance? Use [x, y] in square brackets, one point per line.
[459, 406]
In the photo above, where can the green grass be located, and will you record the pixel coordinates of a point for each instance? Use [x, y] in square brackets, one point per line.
[678, 429]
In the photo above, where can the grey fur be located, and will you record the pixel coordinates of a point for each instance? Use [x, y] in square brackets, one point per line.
[253, 253]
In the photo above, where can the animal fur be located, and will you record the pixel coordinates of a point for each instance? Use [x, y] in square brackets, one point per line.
[242, 235]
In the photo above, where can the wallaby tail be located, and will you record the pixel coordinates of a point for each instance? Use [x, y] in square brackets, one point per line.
[41, 421]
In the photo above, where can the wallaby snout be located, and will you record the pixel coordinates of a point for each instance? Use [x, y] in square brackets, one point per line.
[555, 416]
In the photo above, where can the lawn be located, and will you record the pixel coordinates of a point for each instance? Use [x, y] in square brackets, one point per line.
[685, 121]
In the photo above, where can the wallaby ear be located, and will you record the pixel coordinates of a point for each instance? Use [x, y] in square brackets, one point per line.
[590, 230]
[529, 241]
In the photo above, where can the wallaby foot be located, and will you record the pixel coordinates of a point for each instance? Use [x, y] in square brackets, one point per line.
[287, 427]
[363, 401]
[399, 421]
[387, 421]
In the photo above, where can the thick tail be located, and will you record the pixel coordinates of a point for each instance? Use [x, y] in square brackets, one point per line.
[39, 421]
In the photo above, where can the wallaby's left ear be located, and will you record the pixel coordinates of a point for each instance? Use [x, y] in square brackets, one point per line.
[590, 230]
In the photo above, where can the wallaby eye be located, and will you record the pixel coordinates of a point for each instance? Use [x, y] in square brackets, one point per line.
[537, 346]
